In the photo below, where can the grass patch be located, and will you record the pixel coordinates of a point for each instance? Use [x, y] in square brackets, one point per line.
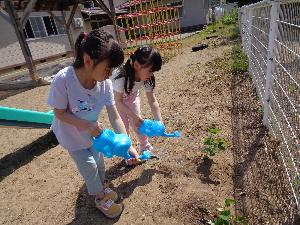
[234, 61]
[239, 63]
[230, 18]
[227, 27]
[233, 33]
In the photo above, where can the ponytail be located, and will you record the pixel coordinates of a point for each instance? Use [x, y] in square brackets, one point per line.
[78, 63]
[99, 45]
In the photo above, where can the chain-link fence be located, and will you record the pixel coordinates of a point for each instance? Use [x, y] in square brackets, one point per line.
[271, 39]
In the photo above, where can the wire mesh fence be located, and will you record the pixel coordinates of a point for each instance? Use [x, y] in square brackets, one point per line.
[270, 33]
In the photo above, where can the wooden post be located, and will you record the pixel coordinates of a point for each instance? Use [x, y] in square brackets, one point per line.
[67, 25]
[27, 12]
[71, 41]
[57, 19]
[113, 14]
[22, 40]
[101, 4]
[72, 15]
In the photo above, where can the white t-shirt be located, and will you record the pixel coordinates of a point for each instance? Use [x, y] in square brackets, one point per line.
[66, 92]
[118, 84]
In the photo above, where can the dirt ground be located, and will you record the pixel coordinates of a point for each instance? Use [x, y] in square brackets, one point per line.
[40, 185]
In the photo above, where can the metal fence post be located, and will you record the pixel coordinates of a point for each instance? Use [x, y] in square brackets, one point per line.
[271, 62]
[249, 42]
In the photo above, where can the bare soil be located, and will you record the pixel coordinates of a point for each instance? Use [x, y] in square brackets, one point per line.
[39, 183]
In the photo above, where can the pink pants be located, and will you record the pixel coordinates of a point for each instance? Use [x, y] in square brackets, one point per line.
[132, 101]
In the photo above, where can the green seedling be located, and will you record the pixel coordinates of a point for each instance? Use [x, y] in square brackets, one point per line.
[213, 143]
[293, 88]
[225, 217]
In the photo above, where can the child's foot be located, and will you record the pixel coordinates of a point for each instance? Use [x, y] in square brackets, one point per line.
[108, 207]
[110, 194]
[133, 162]
[135, 158]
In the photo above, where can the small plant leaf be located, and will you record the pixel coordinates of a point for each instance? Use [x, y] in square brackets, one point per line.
[293, 87]
[222, 144]
[229, 202]
[207, 149]
[210, 150]
[208, 141]
[214, 130]
[241, 220]
[225, 215]
[220, 221]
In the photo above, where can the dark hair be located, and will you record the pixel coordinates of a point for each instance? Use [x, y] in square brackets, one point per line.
[99, 45]
[146, 56]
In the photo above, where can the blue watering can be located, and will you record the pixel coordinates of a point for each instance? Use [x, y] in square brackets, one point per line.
[111, 144]
[152, 128]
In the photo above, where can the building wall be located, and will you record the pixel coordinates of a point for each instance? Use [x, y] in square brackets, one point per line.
[41, 48]
[194, 13]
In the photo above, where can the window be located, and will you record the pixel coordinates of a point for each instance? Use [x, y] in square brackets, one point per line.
[179, 6]
[28, 30]
[38, 27]
[177, 3]
[50, 25]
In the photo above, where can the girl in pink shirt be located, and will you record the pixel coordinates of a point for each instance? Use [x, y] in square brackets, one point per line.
[136, 74]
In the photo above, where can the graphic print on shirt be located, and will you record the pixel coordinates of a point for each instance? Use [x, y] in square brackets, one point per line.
[83, 106]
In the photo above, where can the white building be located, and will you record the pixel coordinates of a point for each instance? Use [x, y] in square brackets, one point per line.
[46, 38]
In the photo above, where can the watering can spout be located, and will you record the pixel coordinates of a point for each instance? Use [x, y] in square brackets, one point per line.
[175, 134]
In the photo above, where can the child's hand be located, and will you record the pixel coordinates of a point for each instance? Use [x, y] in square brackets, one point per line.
[95, 128]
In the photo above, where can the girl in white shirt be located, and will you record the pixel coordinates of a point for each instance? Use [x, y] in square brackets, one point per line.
[78, 94]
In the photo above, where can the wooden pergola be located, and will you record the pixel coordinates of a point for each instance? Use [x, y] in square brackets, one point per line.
[27, 6]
